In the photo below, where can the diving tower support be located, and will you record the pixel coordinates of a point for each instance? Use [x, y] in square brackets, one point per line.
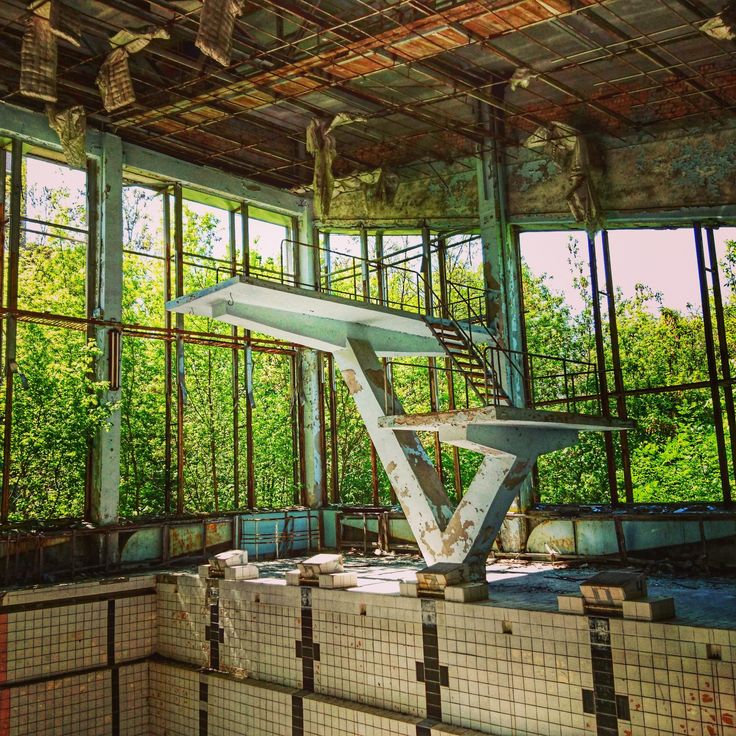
[359, 334]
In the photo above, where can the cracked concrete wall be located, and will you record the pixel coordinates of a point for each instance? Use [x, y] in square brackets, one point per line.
[448, 196]
[673, 172]
[636, 179]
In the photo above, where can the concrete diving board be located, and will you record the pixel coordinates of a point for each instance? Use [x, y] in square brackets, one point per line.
[508, 416]
[313, 319]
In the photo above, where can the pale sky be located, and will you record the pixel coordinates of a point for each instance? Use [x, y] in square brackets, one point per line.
[663, 260]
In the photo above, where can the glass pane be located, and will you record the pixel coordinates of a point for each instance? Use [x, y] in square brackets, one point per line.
[53, 249]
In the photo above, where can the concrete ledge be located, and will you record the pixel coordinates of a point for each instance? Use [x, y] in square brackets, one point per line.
[653, 609]
[338, 580]
[467, 592]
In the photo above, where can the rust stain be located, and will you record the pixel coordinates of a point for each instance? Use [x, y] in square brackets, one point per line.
[391, 467]
[351, 381]
[377, 379]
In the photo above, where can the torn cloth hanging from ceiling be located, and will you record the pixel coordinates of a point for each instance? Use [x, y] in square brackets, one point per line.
[322, 145]
[567, 147]
[723, 25]
[38, 57]
[66, 22]
[216, 27]
[71, 127]
[114, 80]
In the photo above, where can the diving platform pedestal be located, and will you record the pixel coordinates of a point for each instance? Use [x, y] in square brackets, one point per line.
[455, 541]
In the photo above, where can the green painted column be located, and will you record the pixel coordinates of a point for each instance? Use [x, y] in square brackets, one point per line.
[309, 365]
[105, 490]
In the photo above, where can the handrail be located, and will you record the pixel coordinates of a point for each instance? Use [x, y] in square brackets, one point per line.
[463, 307]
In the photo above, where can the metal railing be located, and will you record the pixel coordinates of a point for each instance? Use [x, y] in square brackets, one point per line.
[552, 381]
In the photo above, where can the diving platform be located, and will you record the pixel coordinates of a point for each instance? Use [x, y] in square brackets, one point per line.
[314, 319]
[503, 416]
[458, 537]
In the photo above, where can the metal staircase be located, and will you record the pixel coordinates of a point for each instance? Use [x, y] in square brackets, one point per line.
[480, 374]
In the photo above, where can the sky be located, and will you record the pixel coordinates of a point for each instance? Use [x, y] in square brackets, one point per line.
[663, 260]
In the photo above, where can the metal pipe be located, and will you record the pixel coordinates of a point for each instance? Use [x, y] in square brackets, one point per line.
[248, 371]
[332, 404]
[91, 304]
[168, 357]
[365, 274]
[618, 378]
[601, 364]
[11, 324]
[179, 280]
[235, 379]
[710, 351]
[722, 347]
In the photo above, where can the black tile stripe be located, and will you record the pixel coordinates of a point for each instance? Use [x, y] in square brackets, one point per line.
[213, 632]
[204, 692]
[115, 683]
[297, 715]
[307, 649]
[115, 674]
[72, 673]
[110, 633]
[424, 728]
[603, 700]
[431, 673]
[76, 600]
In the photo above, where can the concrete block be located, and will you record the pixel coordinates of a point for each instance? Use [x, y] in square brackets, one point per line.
[440, 575]
[338, 580]
[292, 577]
[571, 604]
[241, 572]
[409, 588]
[613, 587]
[467, 592]
[203, 570]
[231, 558]
[317, 565]
[651, 609]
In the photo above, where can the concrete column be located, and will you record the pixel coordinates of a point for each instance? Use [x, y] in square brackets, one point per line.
[501, 278]
[500, 273]
[309, 367]
[106, 458]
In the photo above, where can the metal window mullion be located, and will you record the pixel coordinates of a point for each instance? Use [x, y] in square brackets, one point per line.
[235, 388]
[91, 305]
[248, 371]
[712, 365]
[723, 348]
[601, 363]
[168, 357]
[179, 291]
[618, 378]
[11, 324]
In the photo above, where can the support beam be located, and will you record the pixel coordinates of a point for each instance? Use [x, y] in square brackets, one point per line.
[105, 489]
[501, 274]
[309, 366]
[33, 127]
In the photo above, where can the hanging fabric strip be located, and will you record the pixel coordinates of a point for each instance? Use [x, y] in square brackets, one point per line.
[216, 27]
[114, 81]
[71, 127]
[38, 60]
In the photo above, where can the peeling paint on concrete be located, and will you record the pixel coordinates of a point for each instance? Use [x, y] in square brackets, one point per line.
[351, 381]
